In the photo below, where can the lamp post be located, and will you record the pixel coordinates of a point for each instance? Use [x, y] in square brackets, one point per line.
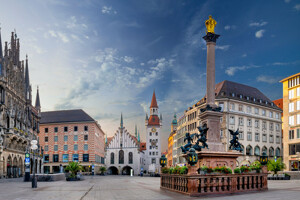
[192, 157]
[163, 160]
[34, 147]
[264, 161]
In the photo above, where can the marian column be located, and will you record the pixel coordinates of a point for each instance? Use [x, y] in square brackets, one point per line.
[210, 115]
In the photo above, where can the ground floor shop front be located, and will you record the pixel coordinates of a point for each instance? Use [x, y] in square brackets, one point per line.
[59, 167]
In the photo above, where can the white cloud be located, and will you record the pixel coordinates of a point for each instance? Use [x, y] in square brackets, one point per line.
[232, 70]
[224, 47]
[287, 1]
[260, 33]
[244, 55]
[228, 27]
[258, 24]
[297, 7]
[128, 59]
[267, 79]
[57, 34]
[108, 10]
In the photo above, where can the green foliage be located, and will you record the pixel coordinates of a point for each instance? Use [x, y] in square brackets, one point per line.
[245, 169]
[218, 169]
[204, 168]
[171, 170]
[275, 166]
[286, 175]
[165, 170]
[256, 165]
[73, 167]
[237, 170]
[176, 170]
[226, 170]
[102, 169]
[183, 170]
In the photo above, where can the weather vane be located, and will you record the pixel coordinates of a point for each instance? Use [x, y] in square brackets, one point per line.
[210, 25]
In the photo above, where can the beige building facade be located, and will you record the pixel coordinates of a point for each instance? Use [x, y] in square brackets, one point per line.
[291, 122]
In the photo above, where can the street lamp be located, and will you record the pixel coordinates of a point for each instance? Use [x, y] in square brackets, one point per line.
[192, 157]
[163, 160]
[264, 158]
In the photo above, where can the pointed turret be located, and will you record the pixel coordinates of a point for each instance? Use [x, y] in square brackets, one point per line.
[153, 101]
[135, 131]
[138, 138]
[37, 100]
[1, 52]
[105, 139]
[121, 122]
[27, 84]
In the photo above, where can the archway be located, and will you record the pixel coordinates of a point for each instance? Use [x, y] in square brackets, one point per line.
[126, 170]
[249, 151]
[15, 167]
[113, 170]
[9, 167]
[20, 167]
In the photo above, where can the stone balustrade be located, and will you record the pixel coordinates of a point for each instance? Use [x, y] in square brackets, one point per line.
[198, 185]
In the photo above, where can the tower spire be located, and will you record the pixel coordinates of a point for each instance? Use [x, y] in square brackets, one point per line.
[153, 101]
[135, 131]
[138, 137]
[121, 123]
[1, 52]
[37, 100]
[27, 84]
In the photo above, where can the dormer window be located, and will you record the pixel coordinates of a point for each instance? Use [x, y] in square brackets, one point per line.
[241, 96]
[266, 103]
[247, 98]
[232, 94]
[254, 99]
[260, 101]
[272, 104]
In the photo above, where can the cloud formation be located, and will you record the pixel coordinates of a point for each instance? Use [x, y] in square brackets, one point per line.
[297, 7]
[258, 24]
[232, 70]
[267, 79]
[260, 33]
[108, 10]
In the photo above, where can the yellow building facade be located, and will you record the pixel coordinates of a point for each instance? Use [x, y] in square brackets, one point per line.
[171, 141]
[291, 122]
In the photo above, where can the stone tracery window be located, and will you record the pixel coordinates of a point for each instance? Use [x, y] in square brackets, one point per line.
[130, 158]
[121, 157]
[112, 158]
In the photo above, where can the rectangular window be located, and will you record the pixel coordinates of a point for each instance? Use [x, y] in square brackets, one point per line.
[85, 158]
[75, 137]
[263, 112]
[153, 161]
[256, 111]
[75, 147]
[298, 119]
[46, 130]
[264, 125]
[231, 119]
[75, 128]
[231, 106]
[46, 148]
[249, 122]
[86, 128]
[86, 147]
[65, 147]
[46, 158]
[271, 139]
[298, 104]
[156, 134]
[221, 133]
[65, 138]
[150, 133]
[277, 116]
[271, 126]
[55, 129]
[291, 107]
[221, 105]
[75, 157]
[55, 158]
[298, 89]
[55, 138]
[256, 123]
[241, 108]
[291, 134]
[65, 129]
[65, 157]
[264, 137]
[277, 127]
[55, 147]
[291, 94]
[277, 139]
[249, 136]
[249, 109]
[241, 135]
[292, 149]
[46, 139]
[86, 137]
[271, 114]
[298, 133]
[291, 120]
[256, 137]
[241, 121]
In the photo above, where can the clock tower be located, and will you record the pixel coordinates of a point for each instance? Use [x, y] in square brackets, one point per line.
[153, 138]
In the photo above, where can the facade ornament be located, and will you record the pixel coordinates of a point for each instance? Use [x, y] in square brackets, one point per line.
[234, 143]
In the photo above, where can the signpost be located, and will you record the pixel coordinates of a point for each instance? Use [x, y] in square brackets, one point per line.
[27, 167]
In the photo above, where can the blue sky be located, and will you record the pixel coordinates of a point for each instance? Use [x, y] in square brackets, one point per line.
[107, 57]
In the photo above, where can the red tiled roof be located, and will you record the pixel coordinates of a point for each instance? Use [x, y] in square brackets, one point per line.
[153, 102]
[279, 103]
[109, 140]
[153, 120]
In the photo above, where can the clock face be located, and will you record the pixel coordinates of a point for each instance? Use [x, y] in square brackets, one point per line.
[153, 130]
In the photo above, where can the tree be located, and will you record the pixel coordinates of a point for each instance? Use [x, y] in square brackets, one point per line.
[276, 166]
[73, 167]
[102, 170]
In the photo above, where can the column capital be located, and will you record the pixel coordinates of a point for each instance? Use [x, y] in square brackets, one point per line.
[211, 37]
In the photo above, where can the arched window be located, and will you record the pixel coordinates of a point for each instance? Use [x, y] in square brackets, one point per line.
[243, 149]
[249, 150]
[257, 151]
[278, 152]
[271, 151]
[265, 150]
[121, 157]
[112, 158]
[130, 159]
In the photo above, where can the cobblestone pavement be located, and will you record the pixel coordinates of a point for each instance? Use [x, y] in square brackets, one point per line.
[125, 187]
